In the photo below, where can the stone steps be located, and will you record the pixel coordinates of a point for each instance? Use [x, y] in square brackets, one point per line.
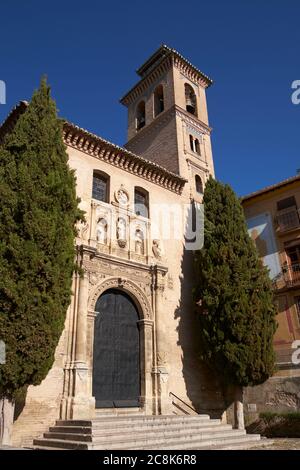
[140, 428]
[102, 437]
[138, 431]
[232, 442]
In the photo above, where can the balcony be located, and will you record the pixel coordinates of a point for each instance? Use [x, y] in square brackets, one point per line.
[288, 278]
[287, 219]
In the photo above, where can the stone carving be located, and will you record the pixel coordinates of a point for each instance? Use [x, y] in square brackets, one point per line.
[129, 286]
[101, 231]
[139, 242]
[161, 358]
[170, 282]
[122, 196]
[156, 249]
[121, 232]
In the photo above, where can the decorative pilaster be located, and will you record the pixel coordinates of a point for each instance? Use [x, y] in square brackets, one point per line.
[82, 404]
[161, 360]
[146, 343]
[93, 240]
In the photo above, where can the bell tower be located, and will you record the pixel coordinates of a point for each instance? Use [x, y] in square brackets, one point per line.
[168, 120]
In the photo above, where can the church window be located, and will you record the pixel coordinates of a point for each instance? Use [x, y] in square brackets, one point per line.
[141, 116]
[141, 202]
[197, 146]
[100, 186]
[190, 99]
[192, 143]
[158, 100]
[199, 185]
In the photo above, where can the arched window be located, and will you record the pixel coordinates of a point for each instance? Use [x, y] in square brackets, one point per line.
[192, 142]
[141, 202]
[190, 99]
[197, 146]
[158, 100]
[100, 186]
[140, 116]
[199, 185]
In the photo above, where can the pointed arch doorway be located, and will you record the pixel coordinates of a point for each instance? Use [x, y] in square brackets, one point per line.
[116, 355]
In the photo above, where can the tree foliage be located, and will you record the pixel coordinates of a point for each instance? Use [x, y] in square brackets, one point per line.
[38, 212]
[233, 293]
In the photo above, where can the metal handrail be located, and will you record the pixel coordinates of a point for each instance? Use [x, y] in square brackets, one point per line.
[182, 401]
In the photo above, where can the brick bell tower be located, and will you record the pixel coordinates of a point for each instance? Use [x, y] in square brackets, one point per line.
[167, 118]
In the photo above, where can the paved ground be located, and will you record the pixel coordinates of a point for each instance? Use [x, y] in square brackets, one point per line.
[279, 444]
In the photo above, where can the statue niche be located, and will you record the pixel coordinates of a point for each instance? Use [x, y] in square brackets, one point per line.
[101, 231]
[139, 242]
[121, 232]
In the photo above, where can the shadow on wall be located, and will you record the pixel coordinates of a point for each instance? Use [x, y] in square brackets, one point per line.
[202, 385]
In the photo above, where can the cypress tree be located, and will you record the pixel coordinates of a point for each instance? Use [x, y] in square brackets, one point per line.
[234, 294]
[39, 209]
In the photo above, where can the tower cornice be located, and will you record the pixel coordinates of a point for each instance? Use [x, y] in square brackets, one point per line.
[159, 63]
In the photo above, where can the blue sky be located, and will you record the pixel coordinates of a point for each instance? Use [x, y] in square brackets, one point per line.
[90, 51]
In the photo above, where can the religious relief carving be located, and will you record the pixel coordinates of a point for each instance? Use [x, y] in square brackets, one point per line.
[156, 249]
[170, 282]
[139, 242]
[122, 196]
[94, 278]
[121, 232]
[161, 358]
[101, 231]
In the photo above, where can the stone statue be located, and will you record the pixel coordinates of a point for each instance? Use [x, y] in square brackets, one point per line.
[156, 249]
[101, 232]
[121, 232]
[139, 242]
[122, 196]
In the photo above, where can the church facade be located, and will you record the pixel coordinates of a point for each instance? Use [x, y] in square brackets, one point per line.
[130, 337]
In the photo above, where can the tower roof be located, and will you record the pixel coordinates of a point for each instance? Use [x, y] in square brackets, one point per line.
[163, 57]
[160, 54]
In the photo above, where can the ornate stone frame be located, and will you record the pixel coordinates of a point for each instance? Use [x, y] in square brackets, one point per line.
[146, 332]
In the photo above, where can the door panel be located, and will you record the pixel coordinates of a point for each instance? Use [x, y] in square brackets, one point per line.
[116, 374]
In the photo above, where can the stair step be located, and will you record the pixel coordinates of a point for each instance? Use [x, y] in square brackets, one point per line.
[150, 419]
[194, 444]
[60, 444]
[161, 429]
[118, 411]
[67, 436]
[73, 422]
[42, 447]
[146, 442]
[72, 429]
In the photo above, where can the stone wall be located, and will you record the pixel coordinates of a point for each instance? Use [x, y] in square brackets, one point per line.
[276, 395]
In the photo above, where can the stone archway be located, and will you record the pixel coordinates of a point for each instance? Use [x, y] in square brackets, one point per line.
[128, 286]
[145, 326]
